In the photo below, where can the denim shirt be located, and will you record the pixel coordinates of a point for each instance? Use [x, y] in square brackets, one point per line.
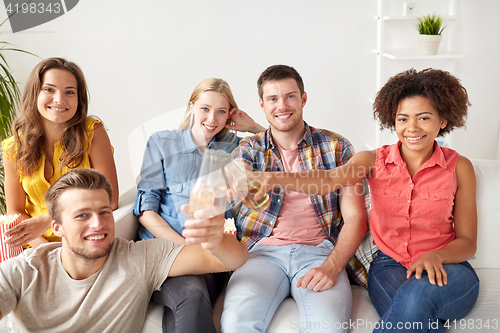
[169, 170]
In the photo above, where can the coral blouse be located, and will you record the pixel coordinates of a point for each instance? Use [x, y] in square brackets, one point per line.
[412, 216]
[35, 185]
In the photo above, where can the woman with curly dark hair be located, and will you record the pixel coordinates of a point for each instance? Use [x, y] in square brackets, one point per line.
[423, 216]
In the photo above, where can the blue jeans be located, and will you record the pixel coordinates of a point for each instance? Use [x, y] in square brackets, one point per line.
[256, 289]
[415, 305]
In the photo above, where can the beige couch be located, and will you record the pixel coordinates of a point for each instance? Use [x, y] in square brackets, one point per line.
[486, 262]
[364, 315]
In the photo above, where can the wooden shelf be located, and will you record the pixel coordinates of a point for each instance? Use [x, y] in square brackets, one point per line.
[393, 26]
[410, 17]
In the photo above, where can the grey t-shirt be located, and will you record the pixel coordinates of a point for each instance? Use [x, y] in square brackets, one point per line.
[44, 298]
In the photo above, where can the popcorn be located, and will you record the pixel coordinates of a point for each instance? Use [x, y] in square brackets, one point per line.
[229, 227]
[7, 222]
[6, 219]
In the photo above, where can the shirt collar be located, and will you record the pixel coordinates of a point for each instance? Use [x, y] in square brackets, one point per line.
[307, 137]
[437, 157]
[188, 145]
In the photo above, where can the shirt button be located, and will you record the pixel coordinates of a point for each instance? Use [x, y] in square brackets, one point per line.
[406, 243]
[279, 200]
[411, 186]
[408, 201]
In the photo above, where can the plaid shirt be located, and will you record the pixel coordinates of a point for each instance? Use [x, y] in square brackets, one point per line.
[318, 149]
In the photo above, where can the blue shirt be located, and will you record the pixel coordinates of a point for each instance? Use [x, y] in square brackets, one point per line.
[169, 170]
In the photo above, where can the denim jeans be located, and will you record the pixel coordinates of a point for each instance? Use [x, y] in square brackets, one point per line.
[415, 305]
[256, 289]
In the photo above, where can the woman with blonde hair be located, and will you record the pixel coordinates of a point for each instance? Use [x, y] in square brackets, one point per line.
[51, 135]
[170, 166]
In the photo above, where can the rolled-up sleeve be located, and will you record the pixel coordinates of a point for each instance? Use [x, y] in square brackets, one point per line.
[152, 184]
[244, 153]
[347, 152]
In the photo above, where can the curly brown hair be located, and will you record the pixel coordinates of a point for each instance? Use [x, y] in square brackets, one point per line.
[444, 91]
[28, 130]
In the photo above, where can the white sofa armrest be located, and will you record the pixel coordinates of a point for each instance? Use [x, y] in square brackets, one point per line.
[488, 213]
[125, 222]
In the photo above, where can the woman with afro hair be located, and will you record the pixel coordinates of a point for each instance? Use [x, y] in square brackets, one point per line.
[423, 217]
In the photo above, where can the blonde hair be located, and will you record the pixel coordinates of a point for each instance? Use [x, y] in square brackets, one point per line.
[28, 130]
[212, 84]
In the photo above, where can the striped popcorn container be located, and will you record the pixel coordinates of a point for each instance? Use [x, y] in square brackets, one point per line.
[6, 222]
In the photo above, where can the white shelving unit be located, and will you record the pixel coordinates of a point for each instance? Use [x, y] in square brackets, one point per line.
[388, 21]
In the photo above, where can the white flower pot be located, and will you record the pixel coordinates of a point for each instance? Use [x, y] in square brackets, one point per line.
[429, 44]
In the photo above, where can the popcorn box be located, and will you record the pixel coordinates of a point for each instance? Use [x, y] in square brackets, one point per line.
[229, 227]
[7, 222]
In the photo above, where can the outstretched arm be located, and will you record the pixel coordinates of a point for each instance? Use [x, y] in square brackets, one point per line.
[209, 249]
[319, 182]
[465, 220]
[352, 233]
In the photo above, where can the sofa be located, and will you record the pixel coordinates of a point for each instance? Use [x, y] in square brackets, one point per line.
[484, 316]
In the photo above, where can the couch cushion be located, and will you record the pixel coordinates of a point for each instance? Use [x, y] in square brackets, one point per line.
[488, 213]
[487, 308]
[154, 317]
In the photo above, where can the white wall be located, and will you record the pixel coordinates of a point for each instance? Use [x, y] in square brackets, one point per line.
[143, 58]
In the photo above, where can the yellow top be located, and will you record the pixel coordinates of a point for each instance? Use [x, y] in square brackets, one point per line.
[36, 185]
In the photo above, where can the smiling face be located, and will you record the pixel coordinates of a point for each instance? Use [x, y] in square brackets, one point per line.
[58, 98]
[87, 226]
[282, 103]
[417, 125]
[211, 111]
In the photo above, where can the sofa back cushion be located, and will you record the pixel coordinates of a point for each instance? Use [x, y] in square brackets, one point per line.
[488, 213]
[138, 138]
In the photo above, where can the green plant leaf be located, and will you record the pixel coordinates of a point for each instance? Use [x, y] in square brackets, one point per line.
[430, 25]
[10, 96]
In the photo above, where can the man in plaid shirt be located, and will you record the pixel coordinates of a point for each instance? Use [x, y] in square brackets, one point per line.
[301, 244]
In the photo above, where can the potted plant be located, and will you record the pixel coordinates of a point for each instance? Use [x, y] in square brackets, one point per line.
[430, 28]
[9, 100]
